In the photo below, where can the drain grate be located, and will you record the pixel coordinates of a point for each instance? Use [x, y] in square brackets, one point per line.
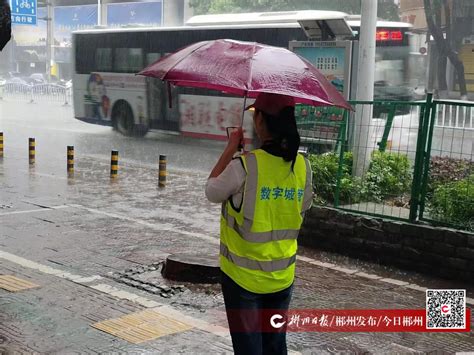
[14, 284]
[148, 278]
[142, 326]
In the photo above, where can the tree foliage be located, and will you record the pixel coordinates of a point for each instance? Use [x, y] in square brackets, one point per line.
[386, 8]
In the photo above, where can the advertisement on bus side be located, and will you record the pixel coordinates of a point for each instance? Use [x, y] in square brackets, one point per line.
[208, 116]
[102, 90]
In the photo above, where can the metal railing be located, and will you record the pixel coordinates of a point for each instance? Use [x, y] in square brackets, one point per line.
[51, 93]
[411, 161]
[454, 114]
[447, 177]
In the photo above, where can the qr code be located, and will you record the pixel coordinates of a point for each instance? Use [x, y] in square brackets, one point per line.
[446, 309]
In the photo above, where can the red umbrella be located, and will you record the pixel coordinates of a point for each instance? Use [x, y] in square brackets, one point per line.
[246, 69]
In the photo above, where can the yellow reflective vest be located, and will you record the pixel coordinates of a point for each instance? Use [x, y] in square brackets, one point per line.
[259, 239]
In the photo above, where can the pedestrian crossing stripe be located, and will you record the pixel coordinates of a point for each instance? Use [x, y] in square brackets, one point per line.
[142, 326]
[14, 284]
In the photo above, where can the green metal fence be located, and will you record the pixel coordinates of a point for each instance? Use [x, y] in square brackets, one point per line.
[447, 175]
[397, 164]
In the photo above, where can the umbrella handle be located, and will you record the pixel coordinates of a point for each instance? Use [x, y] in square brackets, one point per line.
[241, 145]
[170, 97]
[243, 111]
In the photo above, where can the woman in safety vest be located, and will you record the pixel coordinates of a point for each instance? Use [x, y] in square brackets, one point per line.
[264, 194]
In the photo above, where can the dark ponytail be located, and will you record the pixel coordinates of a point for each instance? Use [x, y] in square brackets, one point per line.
[284, 132]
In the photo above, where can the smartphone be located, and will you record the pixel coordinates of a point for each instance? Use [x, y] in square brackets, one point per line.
[230, 130]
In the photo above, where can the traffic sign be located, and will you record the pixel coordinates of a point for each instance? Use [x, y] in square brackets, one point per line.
[23, 12]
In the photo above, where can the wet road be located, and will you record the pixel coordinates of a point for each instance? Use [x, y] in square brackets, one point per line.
[54, 129]
[71, 237]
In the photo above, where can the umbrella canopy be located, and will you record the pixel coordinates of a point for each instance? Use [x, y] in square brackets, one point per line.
[246, 69]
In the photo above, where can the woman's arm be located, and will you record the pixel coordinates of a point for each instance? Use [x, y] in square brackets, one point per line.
[227, 184]
[235, 140]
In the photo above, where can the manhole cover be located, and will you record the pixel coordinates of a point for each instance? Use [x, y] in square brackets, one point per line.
[192, 268]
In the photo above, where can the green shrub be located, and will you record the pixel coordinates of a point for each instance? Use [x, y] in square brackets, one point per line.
[325, 167]
[388, 176]
[453, 203]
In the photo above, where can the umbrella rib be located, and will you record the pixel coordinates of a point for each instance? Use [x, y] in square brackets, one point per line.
[179, 61]
[251, 66]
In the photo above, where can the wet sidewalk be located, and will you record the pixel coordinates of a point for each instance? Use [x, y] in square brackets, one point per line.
[74, 238]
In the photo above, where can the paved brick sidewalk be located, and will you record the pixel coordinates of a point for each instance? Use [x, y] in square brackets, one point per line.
[57, 317]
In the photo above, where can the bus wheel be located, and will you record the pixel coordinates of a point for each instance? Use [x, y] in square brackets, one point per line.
[141, 130]
[122, 119]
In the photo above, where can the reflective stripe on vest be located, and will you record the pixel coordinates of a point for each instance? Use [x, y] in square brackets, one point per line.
[249, 209]
[267, 266]
[308, 190]
[258, 237]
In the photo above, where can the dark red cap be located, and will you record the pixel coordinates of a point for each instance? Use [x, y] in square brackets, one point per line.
[272, 104]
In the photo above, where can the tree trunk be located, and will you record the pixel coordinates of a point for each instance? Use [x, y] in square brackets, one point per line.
[441, 75]
[445, 48]
[442, 62]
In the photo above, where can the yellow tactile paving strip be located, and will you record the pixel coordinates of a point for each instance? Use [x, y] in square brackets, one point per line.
[142, 326]
[14, 284]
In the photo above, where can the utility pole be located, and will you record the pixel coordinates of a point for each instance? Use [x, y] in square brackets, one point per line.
[49, 38]
[99, 13]
[365, 85]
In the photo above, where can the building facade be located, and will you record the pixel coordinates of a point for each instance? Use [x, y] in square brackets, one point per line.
[28, 52]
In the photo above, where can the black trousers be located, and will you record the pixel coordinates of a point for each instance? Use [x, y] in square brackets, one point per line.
[244, 315]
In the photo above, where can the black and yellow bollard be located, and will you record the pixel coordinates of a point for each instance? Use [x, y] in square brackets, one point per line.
[162, 171]
[114, 164]
[1, 144]
[31, 150]
[70, 160]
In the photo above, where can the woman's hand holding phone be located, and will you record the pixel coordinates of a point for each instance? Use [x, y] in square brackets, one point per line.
[236, 138]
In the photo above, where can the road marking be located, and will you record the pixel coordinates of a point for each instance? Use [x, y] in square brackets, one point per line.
[85, 280]
[159, 227]
[44, 174]
[216, 241]
[364, 275]
[42, 209]
[46, 269]
[395, 282]
[368, 276]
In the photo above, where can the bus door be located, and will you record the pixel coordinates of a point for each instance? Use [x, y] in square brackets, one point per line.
[162, 116]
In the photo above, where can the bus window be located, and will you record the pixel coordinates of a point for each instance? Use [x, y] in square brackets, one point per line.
[85, 64]
[103, 59]
[128, 60]
[152, 57]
